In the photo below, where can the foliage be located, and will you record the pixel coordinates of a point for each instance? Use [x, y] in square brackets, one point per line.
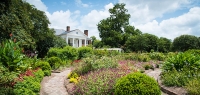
[84, 52]
[142, 57]
[164, 44]
[39, 74]
[110, 29]
[99, 82]
[72, 75]
[73, 80]
[176, 78]
[28, 85]
[185, 42]
[6, 80]
[157, 56]
[148, 66]
[193, 87]
[95, 63]
[46, 68]
[151, 42]
[10, 56]
[137, 84]
[24, 23]
[59, 42]
[189, 60]
[66, 53]
[100, 53]
[55, 62]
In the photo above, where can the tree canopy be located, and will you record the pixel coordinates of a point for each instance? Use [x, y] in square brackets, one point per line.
[111, 28]
[24, 23]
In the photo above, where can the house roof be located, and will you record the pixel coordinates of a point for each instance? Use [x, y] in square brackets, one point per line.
[63, 32]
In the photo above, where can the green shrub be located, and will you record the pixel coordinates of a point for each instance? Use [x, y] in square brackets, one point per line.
[157, 56]
[46, 68]
[28, 83]
[148, 66]
[39, 75]
[84, 52]
[66, 53]
[181, 60]
[23, 91]
[95, 63]
[55, 62]
[179, 78]
[137, 84]
[100, 53]
[11, 56]
[193, 87]
[143, 58]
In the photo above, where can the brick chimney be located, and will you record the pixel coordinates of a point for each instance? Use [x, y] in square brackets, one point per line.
[67, 28]
[86, 32]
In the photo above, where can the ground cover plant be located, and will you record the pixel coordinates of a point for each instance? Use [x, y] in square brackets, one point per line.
[100, 82]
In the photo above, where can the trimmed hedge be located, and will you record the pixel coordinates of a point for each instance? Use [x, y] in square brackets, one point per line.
[137, 84]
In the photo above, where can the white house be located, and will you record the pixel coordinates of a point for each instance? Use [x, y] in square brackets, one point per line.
[75, 38]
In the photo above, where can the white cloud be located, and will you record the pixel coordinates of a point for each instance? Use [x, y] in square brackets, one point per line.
[188, 23]
[61, 19]
[80, 3]
[91, 20]
[143, 11]
[38, 4]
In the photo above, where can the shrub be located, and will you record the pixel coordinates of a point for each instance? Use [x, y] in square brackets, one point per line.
[99, 82]
[55, 62]
[72, 75]
[46, 68]
[39, 75]
[66, 53]
[100, 53]
[193, 87]
[29, 83]
[84, 52]
[157, 56]
[95, 63]
[148, 66]
[181, 60]
[73, 80]
[11, 56]
[137, 84]
[143, 58]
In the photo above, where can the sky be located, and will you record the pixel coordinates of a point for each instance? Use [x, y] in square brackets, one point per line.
[163, 18]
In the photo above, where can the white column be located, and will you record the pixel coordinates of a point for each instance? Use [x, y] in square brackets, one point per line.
[67, 40]
[73, 42]
[85, 42]
[80, 41]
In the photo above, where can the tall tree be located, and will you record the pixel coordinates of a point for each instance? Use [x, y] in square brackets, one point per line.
[152, 41]
[164, 44]
[185, 42]
[111, 28]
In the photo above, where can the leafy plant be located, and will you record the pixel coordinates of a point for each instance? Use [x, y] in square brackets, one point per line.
[137, 84]
[84, 52]
[55, 62]
[11, 56]
[44, 66]
[193, 87]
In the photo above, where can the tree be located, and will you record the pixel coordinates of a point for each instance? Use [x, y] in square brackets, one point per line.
[151, 42]
[164, 44]
[185, 42]
[23, 23]
[137, 43]
[111, 28]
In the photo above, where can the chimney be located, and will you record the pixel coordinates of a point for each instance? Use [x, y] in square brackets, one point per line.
[86, 32]
[68, 28]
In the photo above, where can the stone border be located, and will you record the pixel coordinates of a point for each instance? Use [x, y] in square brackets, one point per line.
[171, 90]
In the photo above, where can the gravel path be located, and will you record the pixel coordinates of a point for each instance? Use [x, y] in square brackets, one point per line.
[54, 85]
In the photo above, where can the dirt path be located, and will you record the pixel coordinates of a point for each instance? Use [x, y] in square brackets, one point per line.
[54, 84]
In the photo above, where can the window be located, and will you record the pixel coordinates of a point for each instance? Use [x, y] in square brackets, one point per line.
[76, 32]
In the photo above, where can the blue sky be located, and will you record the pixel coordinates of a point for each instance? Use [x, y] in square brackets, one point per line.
[163, 18]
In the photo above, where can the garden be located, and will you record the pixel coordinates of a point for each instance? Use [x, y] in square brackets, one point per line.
[98, 71]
